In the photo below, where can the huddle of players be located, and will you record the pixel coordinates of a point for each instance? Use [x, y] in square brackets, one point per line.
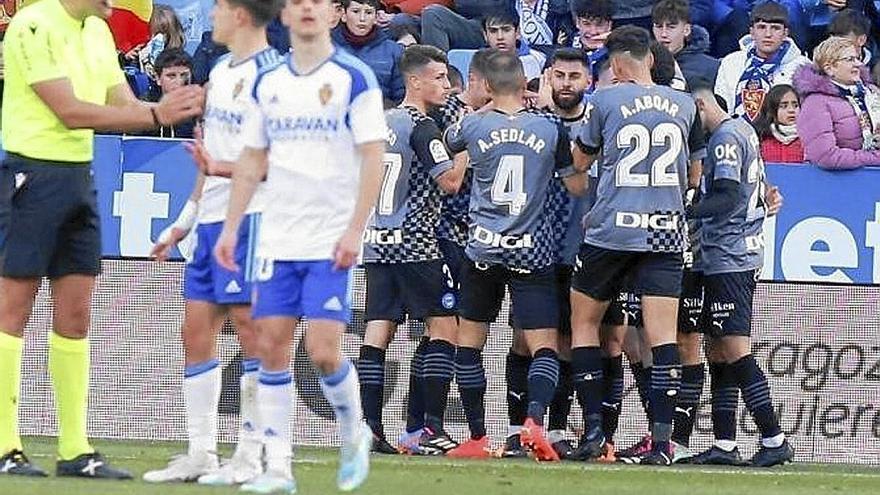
[522, 215]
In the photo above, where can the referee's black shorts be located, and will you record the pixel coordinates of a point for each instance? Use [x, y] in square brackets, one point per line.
[49, 222]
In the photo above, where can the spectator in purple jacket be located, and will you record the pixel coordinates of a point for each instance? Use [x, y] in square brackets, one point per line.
[839, 122]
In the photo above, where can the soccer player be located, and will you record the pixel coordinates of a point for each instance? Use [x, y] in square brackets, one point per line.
[645, 134]
[404, 266]
[731, 212]
[62, 81]
[514, 154]
[212, 293]
[317, 135]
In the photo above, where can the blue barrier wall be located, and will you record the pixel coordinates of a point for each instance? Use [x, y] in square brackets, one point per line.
[828, 230]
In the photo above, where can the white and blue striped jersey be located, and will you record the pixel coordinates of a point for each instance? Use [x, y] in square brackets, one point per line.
[312, 124]
[230, 90]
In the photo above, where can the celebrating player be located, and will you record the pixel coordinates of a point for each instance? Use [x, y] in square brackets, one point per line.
[404, 266]
[318, 129]
[514, 154]
[731, 212]
[213, 292]
[645, 134]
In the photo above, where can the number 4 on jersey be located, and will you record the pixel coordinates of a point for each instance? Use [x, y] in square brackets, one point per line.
[507, 188]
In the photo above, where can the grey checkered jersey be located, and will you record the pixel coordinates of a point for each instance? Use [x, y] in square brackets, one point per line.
[567, 211]
[453, 224]
[645, 137]
[404, 223]
[513, 159]
[734, 241]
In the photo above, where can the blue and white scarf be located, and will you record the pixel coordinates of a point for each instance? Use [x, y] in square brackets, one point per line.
[533, 22]
[756, 80]
[866, 104]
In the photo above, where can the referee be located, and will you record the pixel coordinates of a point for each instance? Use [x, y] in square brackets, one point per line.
[62, 82]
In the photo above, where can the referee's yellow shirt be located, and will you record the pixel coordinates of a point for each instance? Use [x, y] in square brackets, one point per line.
[43, 42]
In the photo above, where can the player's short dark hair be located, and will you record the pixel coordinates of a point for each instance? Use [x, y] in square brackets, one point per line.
[569, 55]
[172, 57]
[480, 60]
[376, 4]
[704, 87]
[416, 57]
[592, 9]
[454, 75]
[671, 11]
[504, 73]
[849, 21]
[500, 17]
[663, 70]
[770, 12]
[629, 39]
[262, 11]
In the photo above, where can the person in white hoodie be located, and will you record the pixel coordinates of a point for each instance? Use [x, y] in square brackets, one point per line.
[768, 57]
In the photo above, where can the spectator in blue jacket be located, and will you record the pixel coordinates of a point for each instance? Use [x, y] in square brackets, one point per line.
[732, 21]
[359, 34]
[688, 43]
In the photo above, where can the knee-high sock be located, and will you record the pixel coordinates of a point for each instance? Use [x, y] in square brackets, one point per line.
[342, 391]
[692, 378]
[756, 395]
[665, 385]
[725, 399]
[371, 373]
[69, 366]
[543, 377]
[517, 376]
[612, 395]
[586, 364]
[415, 405]
[10, 390]
[201, 391]
[249, 442]
[471, 379]
[642, 377]
[275, 402]
[560, 408]
[439, 369]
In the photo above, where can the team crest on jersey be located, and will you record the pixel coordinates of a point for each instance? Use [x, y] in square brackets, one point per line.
[239, 86]
[753, 99]
[325, 93]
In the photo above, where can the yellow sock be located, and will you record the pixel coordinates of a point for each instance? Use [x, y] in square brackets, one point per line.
[69, 366]
[10, 385]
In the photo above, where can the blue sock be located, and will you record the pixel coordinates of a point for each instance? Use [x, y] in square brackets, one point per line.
[665, 384]
[543, 377]
[471, 379]
[612, 395]
[642, 377]
[692, 378]
[756, 395]
[586, 365]
[725, 399]
[560, 408]
[371, 373]
[415, 405]
[438, 373]
[516, 374]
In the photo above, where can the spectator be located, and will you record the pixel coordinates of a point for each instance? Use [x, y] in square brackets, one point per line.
[405, 34]
[593, 23]
[688, 43]
[840, 113]
[501, 29]
[359, 34]
[732, 19]
[461, 29]
[777, 126]
[164, 21]
[665, 70]
[412, 7]
[768, 57]
[173, 70]
[856, 27]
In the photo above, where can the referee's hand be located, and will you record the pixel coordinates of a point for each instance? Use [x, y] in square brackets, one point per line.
[180, 105]
[224, 250]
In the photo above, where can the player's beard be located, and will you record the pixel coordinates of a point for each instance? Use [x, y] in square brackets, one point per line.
[568, 103]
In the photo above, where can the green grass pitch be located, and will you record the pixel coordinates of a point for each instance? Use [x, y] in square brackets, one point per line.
[315, 471]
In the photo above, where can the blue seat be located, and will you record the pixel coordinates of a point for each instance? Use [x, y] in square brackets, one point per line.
[461, 60]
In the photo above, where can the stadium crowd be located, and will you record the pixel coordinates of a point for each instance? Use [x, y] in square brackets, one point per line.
[721, 84]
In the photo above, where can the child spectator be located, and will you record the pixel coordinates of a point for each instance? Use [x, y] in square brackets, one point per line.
[173, 70]
[768, 57]
[359, 34]
[501, 30]
[777, 126]
[593, 23]
[688, 43]
[840, 111]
